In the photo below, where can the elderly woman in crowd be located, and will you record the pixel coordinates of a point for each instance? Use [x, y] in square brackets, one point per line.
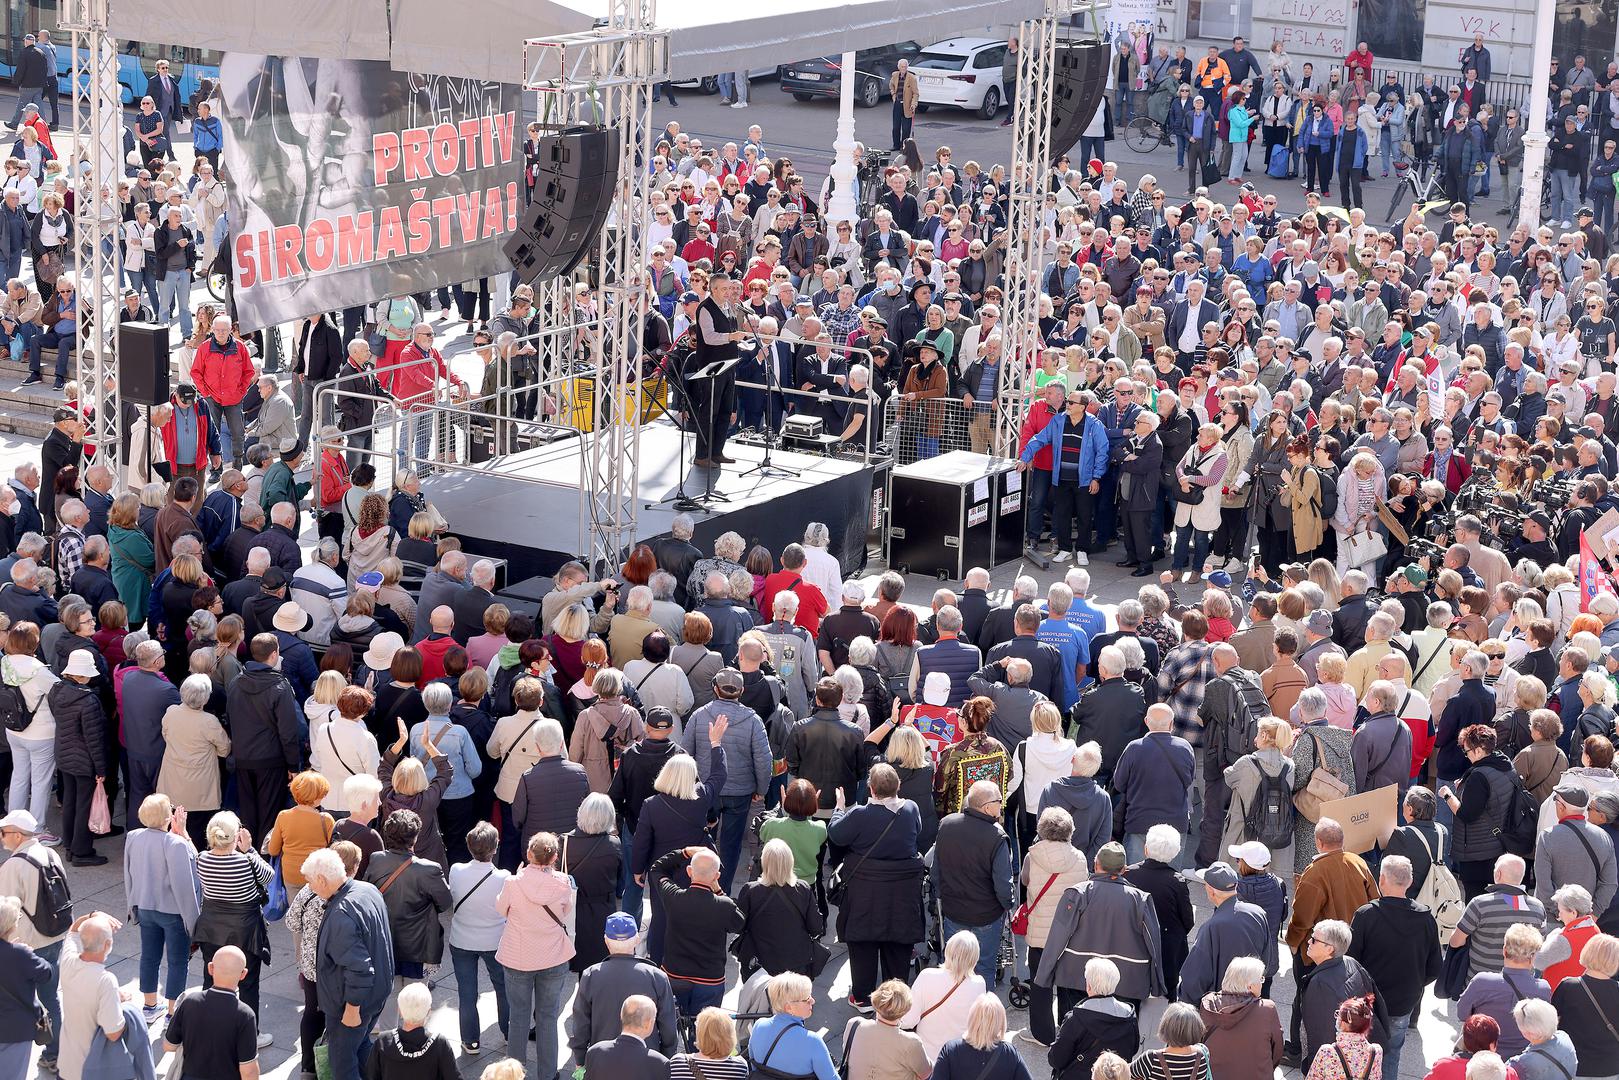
[194, 742]
[782, 923]
[27, 979]
[302, 829]
[305, 911]
[943, 996]
[411, 1052]
[1317, 744]
[1050, 867]
[534, 950]
[232, 879]
[160, 884]
[593, 856]
[405, 786]
[1098, 1024]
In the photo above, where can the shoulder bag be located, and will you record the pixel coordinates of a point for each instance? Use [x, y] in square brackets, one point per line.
[931, 1009]
[1601, 1015]
[393, 877]
[837, 889]
[1322, 787]
[1020, 917]
[470, 891]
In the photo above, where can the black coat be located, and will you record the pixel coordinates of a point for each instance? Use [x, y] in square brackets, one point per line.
[81, 726]
[596, 863]
[1089, 1030]
[780, 927]
[325, 349]
[264, 719]
[1349, 622]
[1397, 941]
[1172, 900]
[56, 453]
[415, 901]
[1142, 460]
[1044, 658]
[825, 750]
[95, 585]
[1113, 713]
[884, 902]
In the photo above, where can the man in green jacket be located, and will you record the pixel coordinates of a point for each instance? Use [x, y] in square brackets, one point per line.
[281, 485]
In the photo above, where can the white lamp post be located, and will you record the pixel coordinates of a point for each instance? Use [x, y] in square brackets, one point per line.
[1535, 138]
[841, 206]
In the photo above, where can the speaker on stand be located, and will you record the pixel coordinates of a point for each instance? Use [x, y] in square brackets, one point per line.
[143, 372]
[1078, 81]
[573, 194]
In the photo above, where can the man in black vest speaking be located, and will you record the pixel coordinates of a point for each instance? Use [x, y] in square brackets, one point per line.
[713, 402]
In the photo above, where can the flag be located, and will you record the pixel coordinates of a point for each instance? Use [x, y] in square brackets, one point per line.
[1594, 577]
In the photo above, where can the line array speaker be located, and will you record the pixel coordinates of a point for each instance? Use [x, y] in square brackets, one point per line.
[143, 363]
[1077, 85]
[573, 193]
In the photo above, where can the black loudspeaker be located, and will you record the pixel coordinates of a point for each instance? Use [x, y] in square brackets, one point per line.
[574, 190]
[143, 363]
[1077, 85]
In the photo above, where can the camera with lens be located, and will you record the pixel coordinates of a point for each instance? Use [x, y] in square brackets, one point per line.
[1417, 549]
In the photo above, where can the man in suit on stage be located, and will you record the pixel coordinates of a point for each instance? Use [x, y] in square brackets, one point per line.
[713, 401]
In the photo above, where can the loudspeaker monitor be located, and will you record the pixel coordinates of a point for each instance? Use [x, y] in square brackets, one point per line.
[143, 363]
[1078, 82]
[574, 191]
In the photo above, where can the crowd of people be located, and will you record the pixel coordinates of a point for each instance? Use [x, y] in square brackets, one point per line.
[648, 810]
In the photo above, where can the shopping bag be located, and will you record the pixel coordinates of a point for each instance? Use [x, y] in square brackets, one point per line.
[275, 907]
[100, 812]
[1279, 160]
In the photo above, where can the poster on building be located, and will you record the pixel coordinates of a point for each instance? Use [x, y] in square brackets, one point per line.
[1308, 28]
[1131, 17]
[350, 182]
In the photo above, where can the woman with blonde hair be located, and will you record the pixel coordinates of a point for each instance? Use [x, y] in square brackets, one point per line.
[405, 786]
[878, 1047]
[946, 995]
[982, 1049]
[792, 1001]
[394, 596]
[1045, 757]
[715, 1057]
[782, 923]
[1246, 778]
[1330, 669]
[1325, 576]
[160, 885]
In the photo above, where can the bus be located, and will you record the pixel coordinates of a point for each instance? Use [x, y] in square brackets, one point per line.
[137, 60]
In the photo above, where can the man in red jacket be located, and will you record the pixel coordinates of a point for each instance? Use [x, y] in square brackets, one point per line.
[1037, 480]
[222, 372]
[413, 382]
[201, 445]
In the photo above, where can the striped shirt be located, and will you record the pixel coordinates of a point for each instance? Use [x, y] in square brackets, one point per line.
[236, 878]
[1486, 920]
[731, 1068]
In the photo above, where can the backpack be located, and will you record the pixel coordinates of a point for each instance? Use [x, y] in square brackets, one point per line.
[1329, 492]
[1440, 893]
[1270, 815]
[1522, 823]
[52, 914]
[1234, 737]
[14, 711]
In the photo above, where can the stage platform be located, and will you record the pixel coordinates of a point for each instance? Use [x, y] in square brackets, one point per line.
[526, 507]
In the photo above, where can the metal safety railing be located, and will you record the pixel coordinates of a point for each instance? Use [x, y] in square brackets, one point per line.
[922, 428]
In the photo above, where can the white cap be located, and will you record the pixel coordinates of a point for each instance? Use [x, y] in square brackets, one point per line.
[22, 821]
[935, 688]
[1252, 852]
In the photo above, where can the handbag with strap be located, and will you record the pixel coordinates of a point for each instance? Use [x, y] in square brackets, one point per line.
[1601, 1013]
[393, 877]
[931, 1009]
[1322, 787]
[1020, 917]
[1365, 548]
[837, 889]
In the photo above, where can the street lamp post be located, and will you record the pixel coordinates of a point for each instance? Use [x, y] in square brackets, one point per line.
[1535, 138]
[841, 206]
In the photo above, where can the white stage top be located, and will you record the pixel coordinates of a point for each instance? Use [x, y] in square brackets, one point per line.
[484, 38]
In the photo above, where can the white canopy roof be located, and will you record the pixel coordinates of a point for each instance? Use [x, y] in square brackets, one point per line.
[484, 38]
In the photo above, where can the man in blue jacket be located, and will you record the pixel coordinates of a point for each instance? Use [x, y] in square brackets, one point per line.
[1079, 454]
[354, 960]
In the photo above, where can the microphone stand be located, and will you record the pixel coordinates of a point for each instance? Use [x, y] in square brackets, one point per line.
[681, 500]
[766, 467]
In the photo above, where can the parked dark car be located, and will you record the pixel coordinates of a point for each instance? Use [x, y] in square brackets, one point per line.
[822, 76]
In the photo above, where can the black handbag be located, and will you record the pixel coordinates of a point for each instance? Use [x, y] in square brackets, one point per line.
[837, 889]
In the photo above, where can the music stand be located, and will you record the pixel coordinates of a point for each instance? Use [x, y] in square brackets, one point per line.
[707, 374]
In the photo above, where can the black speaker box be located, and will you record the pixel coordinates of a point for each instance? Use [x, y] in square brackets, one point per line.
[143, 363]
[1077, 85]
[573, 193]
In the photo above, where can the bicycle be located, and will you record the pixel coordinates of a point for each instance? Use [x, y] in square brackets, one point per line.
[1419, 184]
[1144, 134]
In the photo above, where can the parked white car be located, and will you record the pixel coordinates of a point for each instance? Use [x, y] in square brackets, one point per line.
[962, 72]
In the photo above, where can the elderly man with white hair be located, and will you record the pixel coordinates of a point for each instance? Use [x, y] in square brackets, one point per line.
[440, 587]
[321, 591]
[90, 1005]
[277, 420]
[222, 372]
[353, 958]
[470, 603]
[840, 627]
[629, 629]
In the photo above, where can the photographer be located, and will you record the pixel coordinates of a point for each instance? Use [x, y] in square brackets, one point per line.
[1535, 545]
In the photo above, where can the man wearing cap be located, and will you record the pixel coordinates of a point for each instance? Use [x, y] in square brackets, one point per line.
[747, 758]
[1106, 917]
[1574, 852]
[1535, 544]
[63, 446]
[190, 438]
[713, 401]
[605, 986]
[806, 246]
[1235, 928]
[20, 876]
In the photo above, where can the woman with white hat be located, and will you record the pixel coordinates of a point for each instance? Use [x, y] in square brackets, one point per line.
[372, 670]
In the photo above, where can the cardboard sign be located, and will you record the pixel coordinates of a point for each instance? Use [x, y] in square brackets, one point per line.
[1368, 819]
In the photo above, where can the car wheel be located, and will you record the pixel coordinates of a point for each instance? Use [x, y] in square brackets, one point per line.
[709, 84]
[991, 104]
[803, 97]
[869, 93]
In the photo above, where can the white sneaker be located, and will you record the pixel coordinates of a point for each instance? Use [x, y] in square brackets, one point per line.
[1081, 558]
[739, 104]
[1234, 565]
[49, 839]
[266, 1039]
[1061, 556]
